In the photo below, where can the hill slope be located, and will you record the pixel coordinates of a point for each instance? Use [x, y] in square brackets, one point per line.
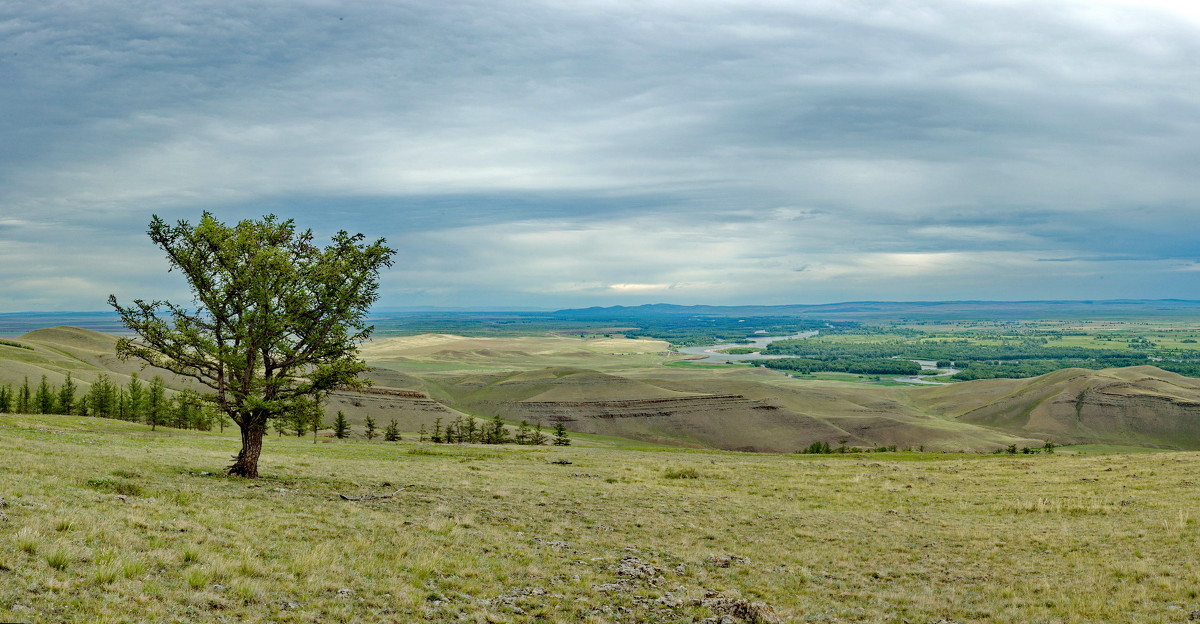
[706, 412]
[1140, 405]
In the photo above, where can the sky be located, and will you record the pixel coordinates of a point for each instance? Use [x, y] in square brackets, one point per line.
[576, 153]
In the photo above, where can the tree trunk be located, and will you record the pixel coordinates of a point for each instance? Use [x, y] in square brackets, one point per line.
[246, 462]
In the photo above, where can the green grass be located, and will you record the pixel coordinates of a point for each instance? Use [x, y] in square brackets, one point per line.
[1108, 449]
[500, 534]
[699, 365]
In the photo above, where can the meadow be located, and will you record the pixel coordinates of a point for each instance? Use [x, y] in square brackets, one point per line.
[107, 521]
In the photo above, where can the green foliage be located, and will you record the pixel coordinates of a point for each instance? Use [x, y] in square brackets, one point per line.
[135, 393]
[436, 436]
[845, 365]
[44, 398]
[24, 398]
[537, 437]
[66, 396]
[341, 427]
[681, 473]
[275, 319]
[495, 432]
[690, 331]
[156, 402]
[523, 433]
[115, 486]
[817, 448]
[370, 425]
[103, 398]
[59, 558]
[560, 434]
[392, 433]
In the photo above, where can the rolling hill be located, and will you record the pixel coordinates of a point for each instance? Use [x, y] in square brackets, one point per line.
[727, 414]
[1139, 405]
[736, 408]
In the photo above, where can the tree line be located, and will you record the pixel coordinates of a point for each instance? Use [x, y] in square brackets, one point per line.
[135, 401]
[153, 404]
[467, 430]
[859, 366]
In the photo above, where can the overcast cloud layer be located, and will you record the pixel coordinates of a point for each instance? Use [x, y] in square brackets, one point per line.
[577, 153]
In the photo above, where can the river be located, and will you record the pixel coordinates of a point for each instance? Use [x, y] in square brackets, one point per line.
[928, 379]
[712, 356]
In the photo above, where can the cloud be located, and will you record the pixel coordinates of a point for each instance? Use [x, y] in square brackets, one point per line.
[523, 152]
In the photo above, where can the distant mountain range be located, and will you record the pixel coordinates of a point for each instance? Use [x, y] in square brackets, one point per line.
[909, 309]
[17, 323]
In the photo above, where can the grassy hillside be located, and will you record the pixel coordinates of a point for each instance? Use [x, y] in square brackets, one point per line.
[448, 352]
[55, 351]
[737, 412]
[104, 521]
[618, 387]
[1139, 405]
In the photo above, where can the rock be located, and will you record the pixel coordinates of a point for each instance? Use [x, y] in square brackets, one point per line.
[345, 593]
[561, 462]
[740, 608]
[632, 567]
[725, 561]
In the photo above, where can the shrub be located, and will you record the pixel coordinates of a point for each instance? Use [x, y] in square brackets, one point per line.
[116, 486]
[59, 559]
[681, 473]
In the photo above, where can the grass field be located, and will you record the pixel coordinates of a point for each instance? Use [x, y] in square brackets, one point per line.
[105, 521]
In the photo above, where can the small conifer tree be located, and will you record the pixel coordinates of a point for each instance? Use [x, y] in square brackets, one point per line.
[135, 392]
[156, 402]
[436, 438]
[392, 433]
[43, 399]
[422, 434]
[522, 434]
[560, 435]
[496, 433]
[316, 420]
[341, 428]
[66, 396]
[24, 398]
[536, 437]
[370, 428]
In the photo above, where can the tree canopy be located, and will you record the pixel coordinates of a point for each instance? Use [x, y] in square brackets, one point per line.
[274, 322]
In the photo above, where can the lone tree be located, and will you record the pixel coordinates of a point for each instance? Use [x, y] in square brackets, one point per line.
[274, 321]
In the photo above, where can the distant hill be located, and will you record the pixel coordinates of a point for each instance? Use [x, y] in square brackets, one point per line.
[854, 310]
[727, 414]
[55, 351]
[1139, 405]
